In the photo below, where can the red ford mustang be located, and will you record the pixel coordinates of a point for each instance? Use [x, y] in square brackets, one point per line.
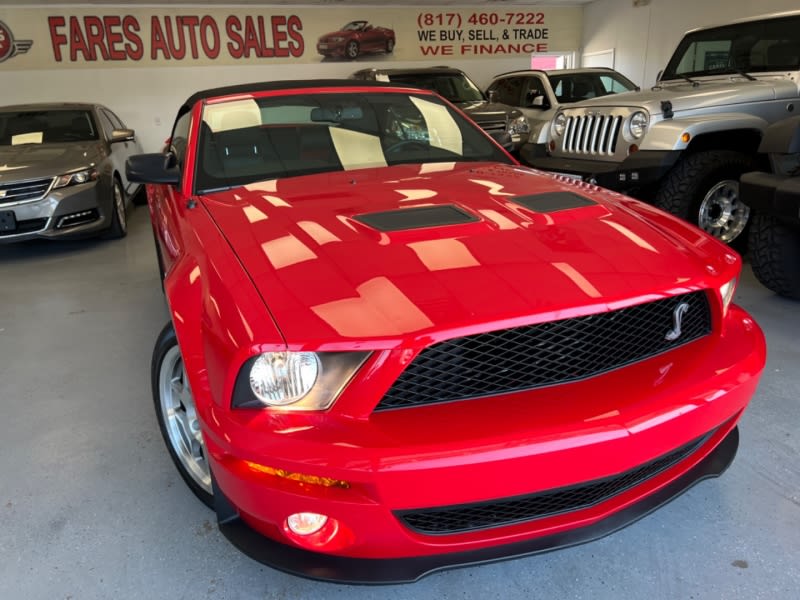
[392, 349]
[355, 38]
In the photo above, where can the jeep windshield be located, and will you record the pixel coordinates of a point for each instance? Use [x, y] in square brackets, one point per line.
[742, 48]
[46, 127]
[245, 140]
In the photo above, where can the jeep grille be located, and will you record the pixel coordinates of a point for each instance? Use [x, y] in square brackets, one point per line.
[595, 134]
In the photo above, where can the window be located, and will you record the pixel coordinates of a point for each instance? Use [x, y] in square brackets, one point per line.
[616, 85]
[46, 126]
[180, 137]
[106, 124]
[509, 90]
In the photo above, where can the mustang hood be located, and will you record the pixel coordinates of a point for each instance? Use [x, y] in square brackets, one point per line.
[31, 161]
[684, 96]
[413, 251]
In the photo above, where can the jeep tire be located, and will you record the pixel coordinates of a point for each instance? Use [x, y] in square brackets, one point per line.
[703, 189]
[775, 255]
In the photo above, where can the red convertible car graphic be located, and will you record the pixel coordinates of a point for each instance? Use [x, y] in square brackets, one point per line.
[355, 38]
[392, 349]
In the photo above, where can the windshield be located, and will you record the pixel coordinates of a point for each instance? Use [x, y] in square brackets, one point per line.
[574, 87]
[354, 26]
[456, 87]
[753, 47]
[254, 139]
[46, 127]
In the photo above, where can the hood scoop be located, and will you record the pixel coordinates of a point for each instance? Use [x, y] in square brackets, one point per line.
[416, 218]
[552, 201]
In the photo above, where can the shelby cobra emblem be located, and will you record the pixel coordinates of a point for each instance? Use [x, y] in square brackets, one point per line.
[677, 317]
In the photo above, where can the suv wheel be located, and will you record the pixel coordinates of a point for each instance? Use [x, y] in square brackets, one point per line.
[775, 255]
[704, 189]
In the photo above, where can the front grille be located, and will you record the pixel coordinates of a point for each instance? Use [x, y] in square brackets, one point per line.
[523, 358]
[596, 135]
[508, 511]
[496, 125]
[19, 191]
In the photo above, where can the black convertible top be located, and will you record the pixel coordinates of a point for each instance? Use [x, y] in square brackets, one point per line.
[270, 86]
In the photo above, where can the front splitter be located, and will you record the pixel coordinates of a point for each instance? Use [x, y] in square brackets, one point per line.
[343, 569]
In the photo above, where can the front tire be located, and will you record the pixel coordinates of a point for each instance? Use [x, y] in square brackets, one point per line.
[775, 255]
[352, 50]
[703, 189]
[177, 416]
[119, 219]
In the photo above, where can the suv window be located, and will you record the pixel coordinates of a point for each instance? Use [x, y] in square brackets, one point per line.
[509, 90]
[455, 87]
[106, 124]
[752, 47]
[613, 86]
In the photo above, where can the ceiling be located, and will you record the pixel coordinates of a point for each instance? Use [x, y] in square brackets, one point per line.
[487, 3]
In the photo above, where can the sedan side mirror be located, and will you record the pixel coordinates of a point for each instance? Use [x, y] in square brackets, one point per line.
[122, 135]
[152, 168]
[538, 101]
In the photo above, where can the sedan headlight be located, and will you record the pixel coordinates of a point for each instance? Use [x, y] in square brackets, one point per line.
[295, 380]
[76, 177]
[559, 125]
[726, 292]
[638, 124]
[518, 126]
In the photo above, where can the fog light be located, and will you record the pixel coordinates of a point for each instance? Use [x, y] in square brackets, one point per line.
[633, 148]
[306, 523]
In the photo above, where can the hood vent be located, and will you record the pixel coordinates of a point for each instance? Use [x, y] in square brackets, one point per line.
[553, 201]
[416, 218]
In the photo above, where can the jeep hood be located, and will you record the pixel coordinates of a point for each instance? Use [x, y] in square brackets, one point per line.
[319, 252]
[32, 161]
[708, 93]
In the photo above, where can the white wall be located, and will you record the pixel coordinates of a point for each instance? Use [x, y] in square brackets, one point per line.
[147, 99]
[644, 37]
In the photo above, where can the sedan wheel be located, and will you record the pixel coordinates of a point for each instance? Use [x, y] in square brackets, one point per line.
[177, 415]
[351, 50]
[389, 46]
[119, 221]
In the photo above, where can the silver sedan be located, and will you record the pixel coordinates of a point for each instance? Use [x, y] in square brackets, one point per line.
[62, 171]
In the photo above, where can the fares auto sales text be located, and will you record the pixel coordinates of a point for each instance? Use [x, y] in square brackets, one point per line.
[115, 38]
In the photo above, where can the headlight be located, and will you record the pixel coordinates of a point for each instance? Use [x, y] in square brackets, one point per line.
[76, 177]
[518, 126]
[295, 380]
[638, 124]
[726, 292]
[559, 124]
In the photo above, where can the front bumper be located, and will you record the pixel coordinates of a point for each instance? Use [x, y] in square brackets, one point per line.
[478, 451]
[640, 169]
[73, 211]
[344, 569]
[771, 194]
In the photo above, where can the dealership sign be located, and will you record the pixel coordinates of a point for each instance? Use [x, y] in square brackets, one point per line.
[172, 36]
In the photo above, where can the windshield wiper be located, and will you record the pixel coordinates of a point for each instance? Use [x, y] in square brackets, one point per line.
[743, 74]
[684, 77]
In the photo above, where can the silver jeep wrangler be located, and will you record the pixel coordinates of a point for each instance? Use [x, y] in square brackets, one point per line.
[683, 144]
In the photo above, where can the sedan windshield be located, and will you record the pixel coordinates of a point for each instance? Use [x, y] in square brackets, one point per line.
[46, 127]
[751, 47]
[254, 139]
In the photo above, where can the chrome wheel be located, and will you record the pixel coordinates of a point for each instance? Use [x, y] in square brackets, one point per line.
[180, 419]
[352, 50]
[722, 213]
[389, 46]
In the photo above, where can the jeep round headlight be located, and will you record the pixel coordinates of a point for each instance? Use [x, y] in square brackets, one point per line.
[559, 125]
[280, 378]
[638, 124]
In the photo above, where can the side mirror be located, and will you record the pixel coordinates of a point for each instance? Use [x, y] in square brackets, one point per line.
[492, 96]
[538, 101]
[152, 168]
[122, 135]
[504, 139]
